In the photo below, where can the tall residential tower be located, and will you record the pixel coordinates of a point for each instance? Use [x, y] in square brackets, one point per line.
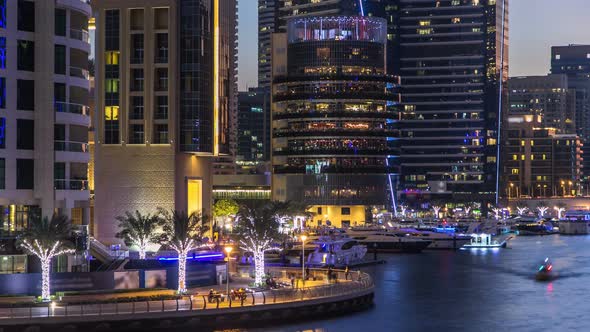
[165, 81]
[44, 118]
[454, 65]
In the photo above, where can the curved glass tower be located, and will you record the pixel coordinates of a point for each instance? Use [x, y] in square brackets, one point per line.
[334, 115]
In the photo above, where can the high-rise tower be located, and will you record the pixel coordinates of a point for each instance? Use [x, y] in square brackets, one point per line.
[454, 65]
[165, 82]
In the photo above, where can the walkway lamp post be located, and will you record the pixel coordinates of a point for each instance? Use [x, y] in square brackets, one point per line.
[228, 251]
[303, 238]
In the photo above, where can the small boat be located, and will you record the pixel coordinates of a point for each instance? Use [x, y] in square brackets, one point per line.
[545, 272]
[534, 227]
[485, 241]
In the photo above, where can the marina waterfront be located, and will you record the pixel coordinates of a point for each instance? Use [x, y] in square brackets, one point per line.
[474, 290]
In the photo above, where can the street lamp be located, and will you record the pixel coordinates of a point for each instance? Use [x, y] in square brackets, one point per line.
[228, 251]
[510, 190]
[303, 238]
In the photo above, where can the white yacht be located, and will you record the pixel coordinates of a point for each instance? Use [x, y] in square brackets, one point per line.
[440, 240]
[382, 239]
[336, 250]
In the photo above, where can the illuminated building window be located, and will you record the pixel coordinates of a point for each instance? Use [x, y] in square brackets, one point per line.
[112, 58]
[544, 156]
[112, 85]
[111, 113]
[515, 171]
[424, 23]
[424, 31]
[522, 143]
[522, 157]
[514, 157]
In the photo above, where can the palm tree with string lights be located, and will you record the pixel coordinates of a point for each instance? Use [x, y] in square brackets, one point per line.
[257, 230]
[183, 233]
[139, 230]
[47, 238]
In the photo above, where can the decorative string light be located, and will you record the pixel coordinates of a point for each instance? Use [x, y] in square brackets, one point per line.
[45, 255]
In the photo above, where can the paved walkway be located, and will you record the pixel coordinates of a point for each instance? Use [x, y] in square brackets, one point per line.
[198, 300]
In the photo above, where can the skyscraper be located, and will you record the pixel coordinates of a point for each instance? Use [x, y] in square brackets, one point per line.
[334, 111]
[453, 64]
[267, 24]
[165, 78]
[546, 96]
[253, 126]
[44, 118]
[574, 61]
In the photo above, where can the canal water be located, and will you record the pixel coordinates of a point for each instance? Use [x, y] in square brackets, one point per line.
[475, 290]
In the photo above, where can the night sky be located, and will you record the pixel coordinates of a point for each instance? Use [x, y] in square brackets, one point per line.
[535, 25]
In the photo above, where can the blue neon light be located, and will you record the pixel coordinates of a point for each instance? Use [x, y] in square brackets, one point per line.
[197, 257]
[2, 92]
[3, 14]
[362, 9]
[2, 52]
[2, 133]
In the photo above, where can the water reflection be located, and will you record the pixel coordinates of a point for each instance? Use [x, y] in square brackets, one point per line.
[474, 291]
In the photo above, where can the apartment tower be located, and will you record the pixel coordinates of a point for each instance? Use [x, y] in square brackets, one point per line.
[44, 83]
[164, 82]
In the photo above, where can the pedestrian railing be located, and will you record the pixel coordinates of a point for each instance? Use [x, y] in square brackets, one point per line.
[357, 283]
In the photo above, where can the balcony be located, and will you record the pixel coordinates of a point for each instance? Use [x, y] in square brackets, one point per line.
[340, 132]
[335, 114]
[336, 152]
[345, 95]
[79, 72]
[63, 107]
[81, 35]
[337, 170]
[71, 184]
[68, 146]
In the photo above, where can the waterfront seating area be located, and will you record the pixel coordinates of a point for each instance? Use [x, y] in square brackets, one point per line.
[199, 301]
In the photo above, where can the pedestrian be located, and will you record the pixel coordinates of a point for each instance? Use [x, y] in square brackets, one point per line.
[306, 276]
[292, 282]
[346, 272]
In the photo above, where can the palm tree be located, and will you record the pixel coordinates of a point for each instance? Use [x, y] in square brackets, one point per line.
[542, 208]
[257, 230]
[139, 230]
[47, 238]
[560, 208]
[521, 209]
[183, 233]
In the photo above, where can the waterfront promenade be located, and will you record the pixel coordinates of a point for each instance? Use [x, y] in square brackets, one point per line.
[320, 296]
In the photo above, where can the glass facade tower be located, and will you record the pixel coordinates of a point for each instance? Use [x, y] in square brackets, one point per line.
[334, 116]
[454, 66]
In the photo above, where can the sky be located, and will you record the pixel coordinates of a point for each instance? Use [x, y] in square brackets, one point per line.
[535, 26]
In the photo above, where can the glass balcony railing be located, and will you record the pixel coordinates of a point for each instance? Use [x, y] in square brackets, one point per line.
[70, 146]
[79, 72]
[82, 35]
[71, 184]
[63, 107]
